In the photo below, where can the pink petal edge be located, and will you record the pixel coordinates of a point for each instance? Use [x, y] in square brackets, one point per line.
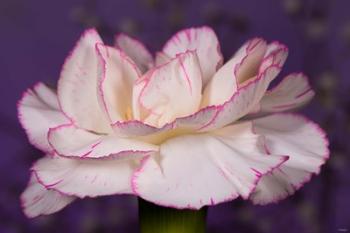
[102, 79]
[85, 156]
[85, 33]
[26, 93]
[259, 175]
[220, 108]
[208, 29]
[23, 202]
[142, 45]
[325, 157]
[212, 203]
[286, 79]
[52, 187]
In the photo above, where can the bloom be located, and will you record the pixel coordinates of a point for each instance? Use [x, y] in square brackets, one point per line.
[182, 130]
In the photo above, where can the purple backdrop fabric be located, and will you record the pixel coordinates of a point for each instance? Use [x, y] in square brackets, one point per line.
[37, 35]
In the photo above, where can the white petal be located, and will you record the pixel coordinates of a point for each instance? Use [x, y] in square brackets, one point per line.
[203, 40]
[192, 123]
[169, 91]
[135, 50]
[305, 144]
[292, 92]
[70, 141]
[38, 111]
[162, 58]
[248, 66]
[198, 119]
[180, 126]
[46, 95]
[138, 128]
[77, 86]
[242, 66]
[85, 178]
[196, 170]
[117, 74]
[36, 200]
[243, 101]
[276, 53]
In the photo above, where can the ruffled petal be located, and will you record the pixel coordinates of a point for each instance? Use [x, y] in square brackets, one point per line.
[136, 51]
[203, 40]
[85, 178]
[38, 111]
[77, 86]
[244, 100]
[117, 74]
[306, 145]
[218, 167]
[197, 120]
[162, 58]
[169, 91]
[292, 92]
[70, 141]
[190, 123]
[242, 66]
[155, 135]
[136, 128]
[250, 61]
[36, 200]
[276, 54]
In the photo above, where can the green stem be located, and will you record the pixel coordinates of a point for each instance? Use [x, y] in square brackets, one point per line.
[158, 219]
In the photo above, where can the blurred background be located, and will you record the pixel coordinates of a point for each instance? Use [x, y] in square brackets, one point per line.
[37, 35]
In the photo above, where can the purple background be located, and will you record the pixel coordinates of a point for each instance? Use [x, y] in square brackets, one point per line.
[36, 36]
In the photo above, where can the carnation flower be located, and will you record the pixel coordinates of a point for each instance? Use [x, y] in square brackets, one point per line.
[183, 130]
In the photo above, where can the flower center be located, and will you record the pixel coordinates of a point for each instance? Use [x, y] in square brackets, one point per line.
[161, 137]
[128, 114]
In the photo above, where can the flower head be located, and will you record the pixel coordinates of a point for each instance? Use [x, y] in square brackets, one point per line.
[182, 130]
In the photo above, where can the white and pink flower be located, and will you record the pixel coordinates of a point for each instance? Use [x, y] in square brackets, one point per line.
[182, 130]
